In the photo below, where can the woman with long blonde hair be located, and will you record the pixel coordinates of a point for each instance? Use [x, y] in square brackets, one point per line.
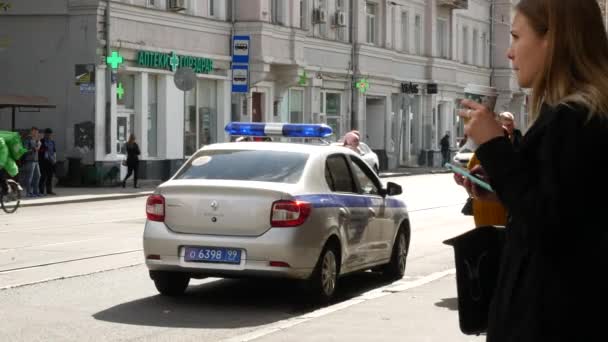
[553, 279]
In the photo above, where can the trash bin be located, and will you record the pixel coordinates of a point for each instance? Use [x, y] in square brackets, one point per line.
[477, 255]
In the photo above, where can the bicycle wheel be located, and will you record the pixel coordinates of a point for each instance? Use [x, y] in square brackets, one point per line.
[11, 199]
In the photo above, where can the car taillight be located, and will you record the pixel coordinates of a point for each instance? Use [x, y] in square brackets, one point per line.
[289, 213]
[155, 208]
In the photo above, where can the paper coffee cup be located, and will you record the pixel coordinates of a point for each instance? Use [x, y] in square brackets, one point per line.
[482, 94]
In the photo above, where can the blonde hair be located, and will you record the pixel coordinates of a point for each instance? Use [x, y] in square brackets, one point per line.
[576, 66]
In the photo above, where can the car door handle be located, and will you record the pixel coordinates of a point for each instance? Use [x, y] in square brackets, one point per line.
[343, 212]
[371, 212]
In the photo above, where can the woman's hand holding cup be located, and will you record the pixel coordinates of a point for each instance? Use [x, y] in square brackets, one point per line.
[479, 122]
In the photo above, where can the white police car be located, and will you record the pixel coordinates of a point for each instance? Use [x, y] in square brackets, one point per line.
[300, 211]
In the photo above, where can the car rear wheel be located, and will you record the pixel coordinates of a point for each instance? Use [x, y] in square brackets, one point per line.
[170, 283]
[395, 269]
[325, 276]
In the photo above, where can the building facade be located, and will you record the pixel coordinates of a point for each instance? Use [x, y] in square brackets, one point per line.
[394, 70]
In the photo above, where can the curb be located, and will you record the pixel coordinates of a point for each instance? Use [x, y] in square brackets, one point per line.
[87, 199]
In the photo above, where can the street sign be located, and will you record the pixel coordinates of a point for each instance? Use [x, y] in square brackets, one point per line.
[240, 49]
[240, 78]
[87, 88]
[431, 88]
[184, 78]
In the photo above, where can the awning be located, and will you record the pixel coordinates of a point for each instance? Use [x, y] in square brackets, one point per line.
[17, 101]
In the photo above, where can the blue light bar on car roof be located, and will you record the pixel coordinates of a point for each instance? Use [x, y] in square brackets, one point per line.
[260, 129]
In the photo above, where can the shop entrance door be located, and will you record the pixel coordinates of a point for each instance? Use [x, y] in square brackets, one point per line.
[256, 107]
[124, 127]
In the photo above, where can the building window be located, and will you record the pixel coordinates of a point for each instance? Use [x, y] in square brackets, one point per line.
[371, 10]
[303, 14]
[465, 45]
[277, 12]
[200, 119]
[322, 6]
[153, 116]
[212, 8]
[484, 49]
[405, 32]
[442, 38]
[296, 106]
[152, 3]
[341, 30]
[333, 112]
[475, 47]
[418, 34]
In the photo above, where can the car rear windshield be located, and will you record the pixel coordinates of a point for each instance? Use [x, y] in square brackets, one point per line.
[246, 165]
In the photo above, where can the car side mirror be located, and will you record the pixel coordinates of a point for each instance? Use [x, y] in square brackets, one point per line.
[393, 189]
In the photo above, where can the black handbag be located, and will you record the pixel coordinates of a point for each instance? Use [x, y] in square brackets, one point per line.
[467, 209]
[477, 256]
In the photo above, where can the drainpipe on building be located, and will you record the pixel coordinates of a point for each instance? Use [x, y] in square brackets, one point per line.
[108, 117]
[492, 14]
[232, 34]
[353, 67]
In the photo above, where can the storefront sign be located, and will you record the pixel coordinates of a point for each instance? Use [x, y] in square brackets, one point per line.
[172, 61]
[363, 85]
[84, 73]
[115, 60]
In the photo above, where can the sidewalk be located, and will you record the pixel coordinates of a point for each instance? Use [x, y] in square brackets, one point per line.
[413, 170]
[426, 313]
[78, 195]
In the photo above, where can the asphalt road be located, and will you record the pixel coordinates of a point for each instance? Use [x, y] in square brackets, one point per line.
[74, 272]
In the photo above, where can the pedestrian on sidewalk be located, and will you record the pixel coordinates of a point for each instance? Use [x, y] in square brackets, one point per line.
[352, 140]
[552, 280]
[133, 153]
[445, 148]
[47, 156]
[508, 122]
[31, 168]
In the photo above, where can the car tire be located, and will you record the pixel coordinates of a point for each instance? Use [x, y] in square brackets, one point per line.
[324, 279]
[395, 269]
[170, 283]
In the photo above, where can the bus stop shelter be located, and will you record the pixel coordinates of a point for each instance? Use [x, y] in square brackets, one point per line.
[23, 102]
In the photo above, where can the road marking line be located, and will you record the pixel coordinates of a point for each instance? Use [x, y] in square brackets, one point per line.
[65, 277]
[369, 295]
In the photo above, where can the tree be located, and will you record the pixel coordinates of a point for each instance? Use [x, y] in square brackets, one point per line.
[5, 5]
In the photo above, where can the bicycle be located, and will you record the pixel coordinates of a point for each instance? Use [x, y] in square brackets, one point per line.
[10, 196]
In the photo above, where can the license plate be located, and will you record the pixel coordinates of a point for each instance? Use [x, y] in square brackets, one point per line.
[213, 254]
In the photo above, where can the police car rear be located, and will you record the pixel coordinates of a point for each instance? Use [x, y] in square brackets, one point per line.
[257, 209]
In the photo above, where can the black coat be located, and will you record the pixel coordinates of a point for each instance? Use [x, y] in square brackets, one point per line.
[553, 278]
[133, 153]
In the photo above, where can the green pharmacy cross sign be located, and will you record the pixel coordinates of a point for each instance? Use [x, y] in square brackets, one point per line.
[363, 85]
[303, 78]
[174, 61]
[120, 91]
[115, 60]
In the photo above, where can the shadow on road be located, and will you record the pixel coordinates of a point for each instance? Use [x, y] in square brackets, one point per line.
[232, 303]
[450, 303]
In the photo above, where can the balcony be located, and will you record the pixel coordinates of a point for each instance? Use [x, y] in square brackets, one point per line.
[454, 4]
